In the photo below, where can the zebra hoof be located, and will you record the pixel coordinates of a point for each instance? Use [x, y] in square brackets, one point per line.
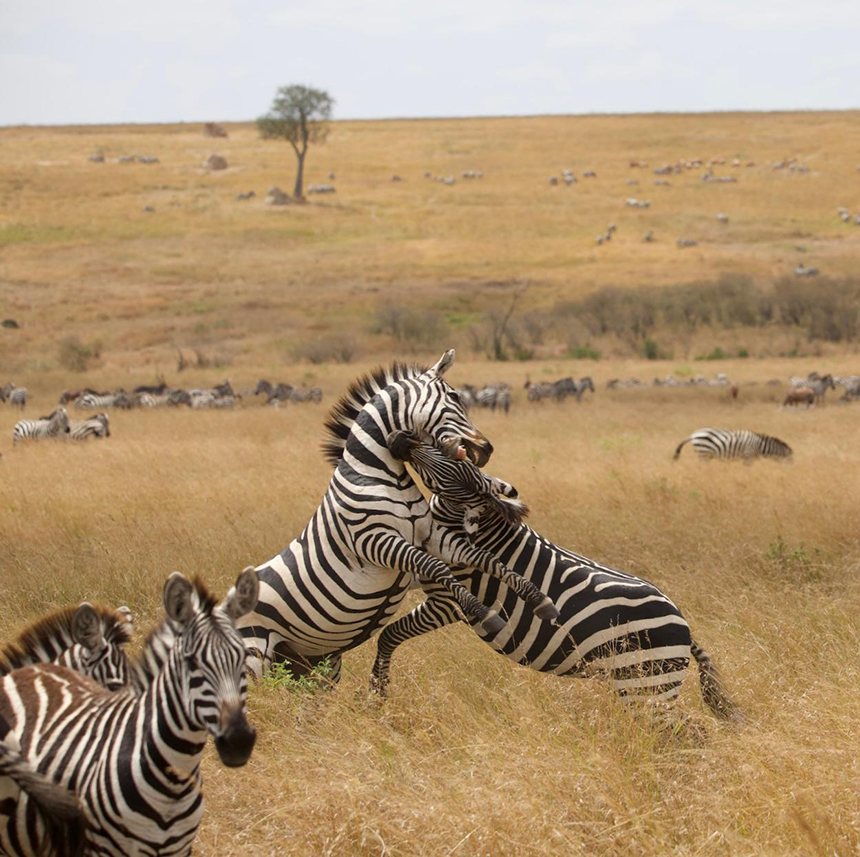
[492, 622]
[547, 611]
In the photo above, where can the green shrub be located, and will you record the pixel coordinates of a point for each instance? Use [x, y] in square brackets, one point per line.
[280, 677]
[583, 352]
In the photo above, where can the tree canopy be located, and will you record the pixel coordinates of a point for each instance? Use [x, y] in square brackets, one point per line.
[299, 115]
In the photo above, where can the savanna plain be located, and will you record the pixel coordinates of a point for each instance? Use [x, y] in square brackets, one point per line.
[469, 754]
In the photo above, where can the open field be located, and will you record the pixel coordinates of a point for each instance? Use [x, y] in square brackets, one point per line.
[249, 284]
[471, 755]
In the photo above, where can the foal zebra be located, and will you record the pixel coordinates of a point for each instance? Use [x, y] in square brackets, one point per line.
[133, 760]
[610, 620]
[97, 427]
[735, 444]
[344, 577]
[55, 424]
[90, 640]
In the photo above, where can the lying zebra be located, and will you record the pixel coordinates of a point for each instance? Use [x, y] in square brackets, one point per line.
[97, 427]
[730, 444]
[610, 620]
[56, 424]
[90, 640]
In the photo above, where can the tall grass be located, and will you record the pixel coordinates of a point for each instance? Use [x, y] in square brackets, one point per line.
[470, 754]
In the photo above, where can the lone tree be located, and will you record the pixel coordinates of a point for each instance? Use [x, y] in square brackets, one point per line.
[298, 115]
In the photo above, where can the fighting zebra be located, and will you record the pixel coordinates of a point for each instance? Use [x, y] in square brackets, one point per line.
[55, 424]
[311, 394]
[133, 759]
[817, 383]
[611, 621]
[88, 639]
[94, 401]
[97, 427]
[343, 578]
[731, 444]
[276, 393]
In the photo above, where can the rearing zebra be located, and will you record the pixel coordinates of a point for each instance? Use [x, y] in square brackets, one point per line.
[733, 444]
[610, 620]
[343, 578]
[133, 760]
[55, 424]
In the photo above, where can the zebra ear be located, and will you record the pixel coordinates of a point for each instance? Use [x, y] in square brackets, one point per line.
[86, 628]
[178, 598]
[126, 615]
[446, 361]
[242, 598]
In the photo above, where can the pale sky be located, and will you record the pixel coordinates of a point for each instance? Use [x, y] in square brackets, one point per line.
[93, 61]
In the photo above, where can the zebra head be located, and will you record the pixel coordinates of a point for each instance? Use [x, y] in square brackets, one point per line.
[211, 655]
[440, 416]
[101, 637]
[58, 422]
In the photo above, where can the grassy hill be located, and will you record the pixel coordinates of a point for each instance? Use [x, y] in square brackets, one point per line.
[382, 266]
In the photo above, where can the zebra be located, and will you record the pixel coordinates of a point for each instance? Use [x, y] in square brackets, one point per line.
[97, 427]
[817, 383]
[540, 391]
[88, 639]
[94, 401]
[344, 576]
[494, 396]
[611, 621]
[570, 387]
[735, 443]
[134, 759]
[311, 394]
[17, 395]
[55, 424]
[278, 392]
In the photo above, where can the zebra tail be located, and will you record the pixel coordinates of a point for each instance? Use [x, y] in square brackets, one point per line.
[713, 690]
[678, 450]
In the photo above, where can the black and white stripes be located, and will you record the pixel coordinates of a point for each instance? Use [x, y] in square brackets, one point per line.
[740, 444]
[54, 425]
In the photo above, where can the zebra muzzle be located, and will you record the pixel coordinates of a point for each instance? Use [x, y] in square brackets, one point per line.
[235, 743]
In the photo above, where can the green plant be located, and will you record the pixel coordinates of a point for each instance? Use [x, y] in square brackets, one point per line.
[280, 676]
[716, 354]
[583, 352]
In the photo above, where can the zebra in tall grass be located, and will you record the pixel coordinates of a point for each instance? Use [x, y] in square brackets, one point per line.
[611, 621]
[55, 424]
[731, 444]
[344, 577]
[94, 401]
[309, 394]
[819, 384]
[273, 393]
[96, 427]
[88, 639]
[16, 395]
[133, 760]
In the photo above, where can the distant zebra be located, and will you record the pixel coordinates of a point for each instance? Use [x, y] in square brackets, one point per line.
[739, 443]
[817, 383]
[277, 392]
[94, 401]
[570, 387]
[540, 391]
[17, 395]
[54, 425]
[133, 759]
[610, 621]
[311, 394]
[345, 575]
[88, 639]
[494, 396]
[96, 427]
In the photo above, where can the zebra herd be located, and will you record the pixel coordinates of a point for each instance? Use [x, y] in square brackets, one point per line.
[87, 770]
[559, 390]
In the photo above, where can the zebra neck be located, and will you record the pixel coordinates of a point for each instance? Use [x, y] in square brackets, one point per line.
[492, 530]
[366, 447]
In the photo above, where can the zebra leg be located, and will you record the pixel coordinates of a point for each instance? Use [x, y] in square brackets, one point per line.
[436, 612]
[392, 551]
[463, 552]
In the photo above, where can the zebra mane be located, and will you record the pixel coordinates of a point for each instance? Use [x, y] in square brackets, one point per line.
[359, 393]
[53, 633]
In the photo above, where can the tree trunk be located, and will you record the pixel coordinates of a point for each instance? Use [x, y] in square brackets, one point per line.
[297, 191]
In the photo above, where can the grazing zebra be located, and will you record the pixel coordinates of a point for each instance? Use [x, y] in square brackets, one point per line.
[94, 401]
[344, 577]
[610, 621]
[55, 424]
[817, 383]
[278, 392]
[97, 427]
[735, 443]
[134, 759]
[311, 394]
[88, 639]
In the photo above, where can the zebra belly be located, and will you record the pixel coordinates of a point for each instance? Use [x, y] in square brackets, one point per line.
[320, 605]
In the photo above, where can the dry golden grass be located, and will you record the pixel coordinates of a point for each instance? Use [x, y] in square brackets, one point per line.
[472, 755]
[79, 256]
